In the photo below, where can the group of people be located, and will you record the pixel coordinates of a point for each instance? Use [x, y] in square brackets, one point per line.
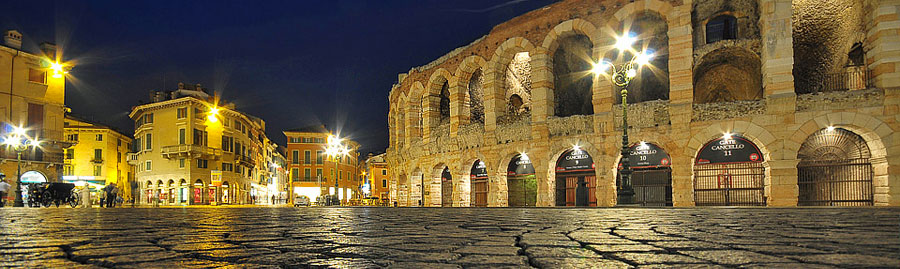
[109, 196]
[4, 189]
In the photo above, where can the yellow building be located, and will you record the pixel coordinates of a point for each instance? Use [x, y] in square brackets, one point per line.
[379, 177]
[32, 94]
[189, 150]
[312, 172]
[98, 156]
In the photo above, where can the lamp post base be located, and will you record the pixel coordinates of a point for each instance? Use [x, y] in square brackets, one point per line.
[625, 198]
[18, 202]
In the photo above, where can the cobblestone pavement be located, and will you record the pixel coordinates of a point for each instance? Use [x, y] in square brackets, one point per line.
[449, 238]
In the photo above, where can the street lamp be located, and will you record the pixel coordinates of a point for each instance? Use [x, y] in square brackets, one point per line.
[622, 76]
[19, 141]
[335, 149]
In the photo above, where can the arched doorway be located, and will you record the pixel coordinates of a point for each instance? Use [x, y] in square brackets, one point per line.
[198, 192]
[183, 192]
[835, 170]
[149, 191]
[520, 182]
[478, 180]
[171, 198]
[446, 188]
[226, 195]
[403, 190]
[160, 191]
[651, 175]
[729, 171]
[576, 180]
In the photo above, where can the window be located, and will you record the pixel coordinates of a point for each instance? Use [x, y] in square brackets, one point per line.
[306, 158]
[98, 155]
[228, 167]
[227, 144]
[72, 137]
[384, 183]
[383, 172]
[318, 157]
[295, 140]
[341, 175]
[199, 137]
[307, 173]
[721, 28]
[68, 170]
[137, 144]
[118, 157]
[98, 169]
[99, 137]
[318, 172]
[295, 174]
[147, 166]
[181, 163]
[70, 153]
[119, 143]
[181, 113]
[149, 141]
[37, 76]
[182, 136]
[201, 163]
[295, 157]
[148, 118]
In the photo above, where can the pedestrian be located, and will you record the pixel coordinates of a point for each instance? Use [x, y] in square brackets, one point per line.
[86, 196]
[113, 191]
[134, 193]
[4, 188]
[102, 194]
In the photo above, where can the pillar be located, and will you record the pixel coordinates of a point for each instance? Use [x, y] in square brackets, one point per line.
[883, 43]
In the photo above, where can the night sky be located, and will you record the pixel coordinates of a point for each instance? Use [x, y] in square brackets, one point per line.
[291, 63]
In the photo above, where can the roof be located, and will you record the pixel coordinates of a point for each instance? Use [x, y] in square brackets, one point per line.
[309, 129]
[71, 116]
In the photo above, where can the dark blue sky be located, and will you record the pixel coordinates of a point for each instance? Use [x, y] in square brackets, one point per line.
[291, 63]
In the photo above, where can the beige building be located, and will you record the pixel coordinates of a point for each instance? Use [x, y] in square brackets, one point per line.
[744, 102]
[189, 150]
[32, 95]
[378, 177]
[313, 173]
[98, 156]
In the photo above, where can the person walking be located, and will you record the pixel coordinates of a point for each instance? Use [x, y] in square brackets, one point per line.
[111, 196]
[4, 188]
[102, 194]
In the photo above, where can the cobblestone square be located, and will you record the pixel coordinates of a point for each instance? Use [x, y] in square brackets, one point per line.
[449, 237]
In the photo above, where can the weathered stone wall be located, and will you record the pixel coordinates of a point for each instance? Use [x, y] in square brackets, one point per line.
[824, 32]
[840, 100]
[573, 125]
[645, 114]
[745, 11]
[727, 110]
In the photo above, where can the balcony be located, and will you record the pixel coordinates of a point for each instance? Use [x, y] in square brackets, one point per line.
[97, 160]
[190, 151]
[245, 160]
[132, 158]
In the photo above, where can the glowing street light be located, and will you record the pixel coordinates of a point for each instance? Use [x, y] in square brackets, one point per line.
[20, 142]
[335, 149]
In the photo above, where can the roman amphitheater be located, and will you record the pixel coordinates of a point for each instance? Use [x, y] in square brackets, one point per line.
[744, 103]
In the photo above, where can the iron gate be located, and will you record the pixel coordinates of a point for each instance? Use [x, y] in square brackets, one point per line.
[735, 184]
[835, 182]
[652, 187]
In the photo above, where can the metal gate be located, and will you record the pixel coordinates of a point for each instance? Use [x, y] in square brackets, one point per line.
[576, 191]
[835, 170]
[522, 191]
[652, 187]
[735, 184]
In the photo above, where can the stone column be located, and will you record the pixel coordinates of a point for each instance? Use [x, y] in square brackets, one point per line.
[541, 93]
[545, 191]
[494, 99]
[783, 190]
[431, 114]
[681, 56]
[412, 123]
[777, 53]
[682, 178]
[459, 113]
[883, 42]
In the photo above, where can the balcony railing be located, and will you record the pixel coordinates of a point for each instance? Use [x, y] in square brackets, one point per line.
[852, 78]
[97, 160]
[245, 160]
[190, 151]
[132, 158]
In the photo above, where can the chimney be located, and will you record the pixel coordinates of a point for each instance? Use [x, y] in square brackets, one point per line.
[199, 88]
[13, 39]
[49, 50]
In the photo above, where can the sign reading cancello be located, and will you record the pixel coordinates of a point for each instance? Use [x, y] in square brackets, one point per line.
[733, 149]
[520, 166]
[647, 155]
[575, 160]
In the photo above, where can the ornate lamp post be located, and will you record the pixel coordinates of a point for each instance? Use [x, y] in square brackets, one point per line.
[18, 141]
[335, 149]
[621, 76]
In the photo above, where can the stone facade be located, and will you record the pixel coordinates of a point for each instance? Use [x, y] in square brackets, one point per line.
[756, 68]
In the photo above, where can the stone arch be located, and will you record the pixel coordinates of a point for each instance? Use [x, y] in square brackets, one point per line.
[728, 74]
[823, 36]
[745, 12]
[499, 76]
[653, 80]
[557, 148]
[435, 184]
[499, 191]
[416, 185]
[570, 45]
[470, 98]
[402, 198]
[874, 131]
[462, 191]
[402, 122]
[414, 111]
[436, 99]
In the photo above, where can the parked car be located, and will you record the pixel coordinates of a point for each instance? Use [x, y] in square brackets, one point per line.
[301, 201]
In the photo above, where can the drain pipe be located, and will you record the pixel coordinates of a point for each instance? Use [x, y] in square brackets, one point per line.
[12, 78]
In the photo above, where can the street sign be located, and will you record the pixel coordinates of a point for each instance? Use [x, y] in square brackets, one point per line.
[215, 177]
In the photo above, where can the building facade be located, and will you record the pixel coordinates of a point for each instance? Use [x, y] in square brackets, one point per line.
[32, 95]
[378, 177]
[313, 173]
[98, 156]
[190, 150]
[744, 103]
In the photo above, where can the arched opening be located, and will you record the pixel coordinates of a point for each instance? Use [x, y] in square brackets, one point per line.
[824, 35]
[226, 195]
[444, 105]
[446, 188]
[727, 75]
[149, 191]
[403, 190]
[720, 28]
[171, 195]
[478, 184]
[518, 83]
[835, 170]
[198, 192]
[521, 182]
[571, 76]
[729, 171]
[576, 180]
[652, 81]
[160, 191]
[416, 188]
[651, 176]
[183, 192]
[476, 97]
